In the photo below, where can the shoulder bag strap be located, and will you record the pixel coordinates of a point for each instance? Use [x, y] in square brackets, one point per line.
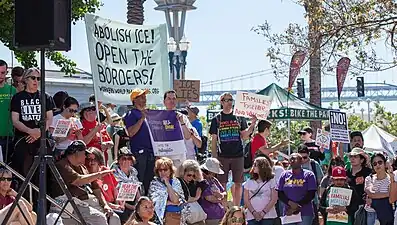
[257, 191]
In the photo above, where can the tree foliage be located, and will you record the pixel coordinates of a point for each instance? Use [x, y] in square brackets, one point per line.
[28, 58]
[349, 28]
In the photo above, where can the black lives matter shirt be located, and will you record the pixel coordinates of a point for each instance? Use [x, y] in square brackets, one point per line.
[28, 106]
[229, 126]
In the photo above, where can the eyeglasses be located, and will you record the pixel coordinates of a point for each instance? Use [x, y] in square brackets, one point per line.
[227, 100]
[34, 78]
[237, 220]
[6, 179]
[377, 163]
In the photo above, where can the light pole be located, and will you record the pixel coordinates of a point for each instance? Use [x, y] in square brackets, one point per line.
[178, 45]
[369, 109]
[177, 57]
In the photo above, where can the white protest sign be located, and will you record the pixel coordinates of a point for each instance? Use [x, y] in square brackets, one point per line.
[249, 104]
[124, 57]
[323, 139]
[339, 197]
[62, 128]
[127, 192]
[338, 126]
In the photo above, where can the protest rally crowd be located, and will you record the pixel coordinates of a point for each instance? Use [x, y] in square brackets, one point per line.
[110, 168]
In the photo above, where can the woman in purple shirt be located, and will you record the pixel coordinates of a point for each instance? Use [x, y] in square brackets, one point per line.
[296, 189]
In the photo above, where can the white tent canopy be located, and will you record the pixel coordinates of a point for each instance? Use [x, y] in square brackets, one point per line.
[376, 139]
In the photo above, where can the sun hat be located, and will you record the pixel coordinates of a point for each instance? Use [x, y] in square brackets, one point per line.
[357, 151]
[138, 92]
[212, 165]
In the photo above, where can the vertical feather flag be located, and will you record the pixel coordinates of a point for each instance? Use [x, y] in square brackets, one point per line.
[295, 66]
[341, 72]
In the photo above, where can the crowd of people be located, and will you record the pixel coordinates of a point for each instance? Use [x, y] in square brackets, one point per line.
[104, 151]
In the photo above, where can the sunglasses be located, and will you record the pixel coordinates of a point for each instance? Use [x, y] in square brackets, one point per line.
[237, 220]
[5, 178]
[191, 175]
[72, 110]
[377, 163]
[305, 157]
[34, 78]
[227, 100]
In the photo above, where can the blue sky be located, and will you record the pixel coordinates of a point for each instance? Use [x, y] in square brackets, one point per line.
[223, 44]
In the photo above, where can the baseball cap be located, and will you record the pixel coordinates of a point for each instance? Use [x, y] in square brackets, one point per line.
[306, 130]
[193, 109]
[338, 173]
[138, 92]
[75, 146]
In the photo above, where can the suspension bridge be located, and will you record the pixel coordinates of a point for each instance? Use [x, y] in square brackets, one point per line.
[373, 91]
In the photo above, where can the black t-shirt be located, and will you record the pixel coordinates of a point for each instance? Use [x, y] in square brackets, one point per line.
[28, 106]
[357, 182]
[227, 127]
[314, 151]
[124, 139]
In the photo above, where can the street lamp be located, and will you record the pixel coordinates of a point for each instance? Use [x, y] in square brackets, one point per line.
[177, 57]
[369, 109]
[178, 44]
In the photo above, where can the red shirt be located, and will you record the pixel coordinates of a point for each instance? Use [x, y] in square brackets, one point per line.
[6, 200]
[108, 186]
[257, 142]
[96, 140]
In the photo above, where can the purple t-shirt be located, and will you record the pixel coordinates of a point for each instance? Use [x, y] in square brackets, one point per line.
[295, 187]
[214, 210]
[141, 140]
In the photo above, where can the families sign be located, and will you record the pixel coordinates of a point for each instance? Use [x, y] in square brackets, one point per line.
[124, 57]
[249, 104]
[165, 132]
[339, 197]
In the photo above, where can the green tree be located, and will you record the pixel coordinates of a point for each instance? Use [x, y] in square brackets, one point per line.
[279, 132]
[28, 58]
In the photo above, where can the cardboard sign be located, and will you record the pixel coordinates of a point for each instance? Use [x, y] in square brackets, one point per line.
[323, 139]
[127, 192]
[249, 104]
[339, 197]
[187, 90]
[338, 126]
[62, 128]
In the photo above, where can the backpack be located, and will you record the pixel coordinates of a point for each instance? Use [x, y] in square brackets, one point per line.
[204, 145]
[248, 156]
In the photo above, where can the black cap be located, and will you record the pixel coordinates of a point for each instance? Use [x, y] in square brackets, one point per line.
[124, 151]
[74, 147]
[306, 130]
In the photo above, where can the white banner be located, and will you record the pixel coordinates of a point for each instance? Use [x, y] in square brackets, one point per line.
[124, 57]
[249, 104]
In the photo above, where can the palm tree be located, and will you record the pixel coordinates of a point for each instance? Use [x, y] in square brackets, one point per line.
[135, 12]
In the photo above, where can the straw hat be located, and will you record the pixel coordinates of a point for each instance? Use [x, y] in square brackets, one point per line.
[212, 165]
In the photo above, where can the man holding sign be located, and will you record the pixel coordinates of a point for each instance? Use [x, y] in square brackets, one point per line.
[227, 133]
[140, 142]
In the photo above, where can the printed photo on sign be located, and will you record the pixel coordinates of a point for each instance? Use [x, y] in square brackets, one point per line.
[249, 104]
[124, 57]
[323, 139]
[127, 192]
[62, 128]
[338, 127]
[165, 133]
[339, 197]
